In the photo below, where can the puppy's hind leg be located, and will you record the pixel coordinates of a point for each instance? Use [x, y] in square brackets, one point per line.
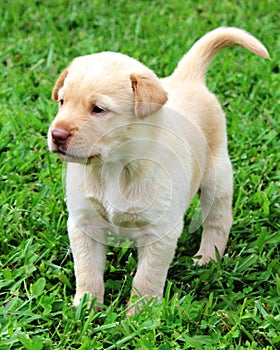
[216, 206]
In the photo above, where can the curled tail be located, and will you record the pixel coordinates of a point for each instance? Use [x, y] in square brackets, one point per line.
[195, 63]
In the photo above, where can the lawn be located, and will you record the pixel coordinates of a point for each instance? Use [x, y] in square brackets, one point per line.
[230, 304]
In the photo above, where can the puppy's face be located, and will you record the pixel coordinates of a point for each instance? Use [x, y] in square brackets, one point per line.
[100, 97]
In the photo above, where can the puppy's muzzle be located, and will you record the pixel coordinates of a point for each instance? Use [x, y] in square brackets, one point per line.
[60, 137]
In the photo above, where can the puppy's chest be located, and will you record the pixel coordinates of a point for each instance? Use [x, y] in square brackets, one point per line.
[123, 203]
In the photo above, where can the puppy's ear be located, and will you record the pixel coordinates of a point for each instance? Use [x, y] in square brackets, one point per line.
[149, 94]
[59, 83]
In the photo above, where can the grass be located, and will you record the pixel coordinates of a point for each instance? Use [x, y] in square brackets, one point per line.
[231, 304]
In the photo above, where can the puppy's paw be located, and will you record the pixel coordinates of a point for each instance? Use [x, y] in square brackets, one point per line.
[77, 298]
[134, 306]
[130, 312]
[88, 298]
[203, 257]
[201, 260]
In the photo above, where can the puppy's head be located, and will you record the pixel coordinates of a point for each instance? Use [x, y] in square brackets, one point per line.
[100, 97]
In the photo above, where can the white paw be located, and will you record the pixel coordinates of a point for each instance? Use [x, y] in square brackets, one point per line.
[77, 299]
[201, 261]
[202, 258]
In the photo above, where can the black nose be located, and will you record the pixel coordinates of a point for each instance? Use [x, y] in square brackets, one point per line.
[60, 136]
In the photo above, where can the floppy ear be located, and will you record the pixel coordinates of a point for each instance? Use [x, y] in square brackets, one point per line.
[149, 94]
[59, 83]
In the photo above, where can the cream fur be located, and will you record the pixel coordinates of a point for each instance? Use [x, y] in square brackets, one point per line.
[138, 149]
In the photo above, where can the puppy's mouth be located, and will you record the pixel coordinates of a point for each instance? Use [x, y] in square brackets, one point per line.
[74, 158]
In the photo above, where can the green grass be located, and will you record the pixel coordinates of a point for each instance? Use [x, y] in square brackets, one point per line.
[231, 304]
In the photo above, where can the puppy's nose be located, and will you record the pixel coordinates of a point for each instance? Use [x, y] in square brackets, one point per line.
[60, 136]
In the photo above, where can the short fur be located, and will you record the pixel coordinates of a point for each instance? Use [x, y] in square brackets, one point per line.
[138, 149]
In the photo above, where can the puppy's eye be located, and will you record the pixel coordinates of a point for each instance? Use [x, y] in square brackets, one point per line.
[97, 110]
[61, 102]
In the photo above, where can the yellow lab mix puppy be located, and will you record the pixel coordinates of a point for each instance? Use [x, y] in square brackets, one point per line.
[138, 149]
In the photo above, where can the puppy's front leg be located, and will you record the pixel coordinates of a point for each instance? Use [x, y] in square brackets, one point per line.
[89, 263]
[153, 264]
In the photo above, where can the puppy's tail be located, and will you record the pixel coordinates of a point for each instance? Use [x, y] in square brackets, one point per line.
[194, 65]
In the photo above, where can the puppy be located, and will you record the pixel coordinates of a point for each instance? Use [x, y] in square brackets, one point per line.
[137, 149]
